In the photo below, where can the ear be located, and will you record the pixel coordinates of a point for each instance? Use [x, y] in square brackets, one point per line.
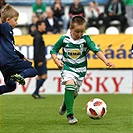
[7, 19]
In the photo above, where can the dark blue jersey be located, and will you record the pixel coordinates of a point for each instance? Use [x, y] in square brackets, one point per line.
[9, 56]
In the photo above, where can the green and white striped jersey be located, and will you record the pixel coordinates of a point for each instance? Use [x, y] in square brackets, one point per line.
[75, 52]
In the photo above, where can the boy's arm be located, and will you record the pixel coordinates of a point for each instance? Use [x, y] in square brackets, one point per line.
[54, 51]
[19, 54]
[93, 47]
[58, 62]
[105, 60]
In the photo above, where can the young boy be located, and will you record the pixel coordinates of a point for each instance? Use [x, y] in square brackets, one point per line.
[13, 65]
[76, 44]
[39, 57]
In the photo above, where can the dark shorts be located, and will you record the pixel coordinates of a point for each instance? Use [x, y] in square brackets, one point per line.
[19, 67]
[41, 69]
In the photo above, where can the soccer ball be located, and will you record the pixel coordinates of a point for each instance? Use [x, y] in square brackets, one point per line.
[96, 108]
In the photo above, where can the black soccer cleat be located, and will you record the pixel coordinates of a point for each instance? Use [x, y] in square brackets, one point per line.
[72, 119]
[62, 109]
[18, 78]
[37, 96]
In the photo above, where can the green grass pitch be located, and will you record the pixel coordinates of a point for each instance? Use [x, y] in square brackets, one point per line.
[23, 114]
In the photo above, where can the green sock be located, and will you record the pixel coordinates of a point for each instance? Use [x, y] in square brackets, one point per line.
[75, 95]
[69, 98]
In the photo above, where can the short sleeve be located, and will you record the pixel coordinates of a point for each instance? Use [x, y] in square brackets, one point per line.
[58, 45]
[91, 45]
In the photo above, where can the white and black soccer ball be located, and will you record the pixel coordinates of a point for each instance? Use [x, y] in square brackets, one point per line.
[96, 108]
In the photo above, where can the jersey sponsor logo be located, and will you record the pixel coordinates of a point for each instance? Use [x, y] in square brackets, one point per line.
[75, 53]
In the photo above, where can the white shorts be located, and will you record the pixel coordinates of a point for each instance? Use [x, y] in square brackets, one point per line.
[67, 75]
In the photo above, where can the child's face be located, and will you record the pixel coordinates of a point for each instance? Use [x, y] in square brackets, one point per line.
[77, 31]
[12, 21]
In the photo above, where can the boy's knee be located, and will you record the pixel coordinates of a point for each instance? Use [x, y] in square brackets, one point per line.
[12, 87]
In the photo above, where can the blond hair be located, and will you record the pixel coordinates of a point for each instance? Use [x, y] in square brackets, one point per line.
[78, 20]
[8, 12]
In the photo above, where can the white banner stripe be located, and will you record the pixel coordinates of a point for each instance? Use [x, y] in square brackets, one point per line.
[72, 61]
[82, 69]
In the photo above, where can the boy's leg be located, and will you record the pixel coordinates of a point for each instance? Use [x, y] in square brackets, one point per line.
[62, 109]
[69, 101]
[6, 89]
[22, 70]
[9, 87]
[30, 72]
[18, 78]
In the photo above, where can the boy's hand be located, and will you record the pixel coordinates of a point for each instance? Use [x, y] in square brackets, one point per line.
[24, 58]
[59, 63]
[110, 64]
[105, 60]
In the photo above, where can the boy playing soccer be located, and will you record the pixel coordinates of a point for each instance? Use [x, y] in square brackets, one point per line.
[13, 65]
[76, 44]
